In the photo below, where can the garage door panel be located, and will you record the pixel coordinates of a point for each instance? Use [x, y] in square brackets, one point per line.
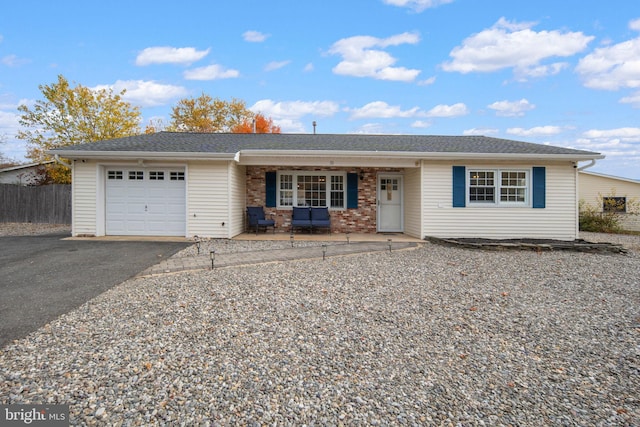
[150, 204]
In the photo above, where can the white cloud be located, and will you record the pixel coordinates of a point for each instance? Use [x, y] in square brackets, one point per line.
[276, 65]
[420, 124]
[360, 59]
[535, 131]
[287, 114]
[627, 134]
[511, 108]
[480, 131]
[309, 67]
[634, 100]
[211, 72]
[612, 67]
[254, 36]
[170, 55]
[515, 45]
[8, 122]
[427, 82]
[294, 109]
[622, 143]
[417, 5]
[13, 61]
[370, 129]
[635, 24]
[442, 110]
[380, 109]
[145, 93]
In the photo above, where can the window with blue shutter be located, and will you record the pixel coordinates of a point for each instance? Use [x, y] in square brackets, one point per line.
[459, 187]
[352, 191]
[270, 179]
[539, 184]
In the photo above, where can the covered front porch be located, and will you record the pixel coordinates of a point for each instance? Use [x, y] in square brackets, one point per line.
[371, 203]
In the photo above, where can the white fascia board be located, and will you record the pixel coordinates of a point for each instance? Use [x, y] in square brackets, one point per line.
[511, 156]
[269, 154]
[146, 155]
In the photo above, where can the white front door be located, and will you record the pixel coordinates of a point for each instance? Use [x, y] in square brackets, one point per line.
[390, 209]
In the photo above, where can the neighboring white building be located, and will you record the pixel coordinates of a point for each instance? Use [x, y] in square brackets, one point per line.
[28, 174]
[602, 192]
[188, 184]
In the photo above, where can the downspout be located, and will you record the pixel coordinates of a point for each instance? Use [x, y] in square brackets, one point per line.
[60, 161]
[593, 162]
[581, 168]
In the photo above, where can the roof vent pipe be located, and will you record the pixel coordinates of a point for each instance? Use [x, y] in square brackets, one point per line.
[314, 127]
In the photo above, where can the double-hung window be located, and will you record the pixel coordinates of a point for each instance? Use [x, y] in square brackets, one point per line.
[498, 187]
[315, 189]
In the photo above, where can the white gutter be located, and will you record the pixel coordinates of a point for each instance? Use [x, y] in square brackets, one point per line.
[60, 161]
[415, 155]
[267, 154]
[147, 155]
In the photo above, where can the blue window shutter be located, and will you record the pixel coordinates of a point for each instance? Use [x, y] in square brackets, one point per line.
[270, 187]
[459, 187]
[539, 188]
[352, 191]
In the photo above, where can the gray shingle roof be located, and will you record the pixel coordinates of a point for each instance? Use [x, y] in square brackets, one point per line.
[229, 143]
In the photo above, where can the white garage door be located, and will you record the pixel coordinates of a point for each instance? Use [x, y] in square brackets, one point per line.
[145, 202]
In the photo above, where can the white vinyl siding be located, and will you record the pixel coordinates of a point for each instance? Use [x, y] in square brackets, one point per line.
[237, 195]
[556, 221]
[592, 187]
[208, 199]
[83, 222]
[412, 202]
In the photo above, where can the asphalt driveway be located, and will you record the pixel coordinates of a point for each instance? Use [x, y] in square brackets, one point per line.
[42, 277]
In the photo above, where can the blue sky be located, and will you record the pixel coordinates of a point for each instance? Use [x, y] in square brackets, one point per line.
[565, 73]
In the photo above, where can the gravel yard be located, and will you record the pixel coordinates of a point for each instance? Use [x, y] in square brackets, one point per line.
[431, 336]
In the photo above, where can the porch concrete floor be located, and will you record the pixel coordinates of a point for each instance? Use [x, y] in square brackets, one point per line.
[324, 237]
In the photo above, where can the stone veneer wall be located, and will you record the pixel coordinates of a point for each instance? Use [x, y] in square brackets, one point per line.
[360, 220]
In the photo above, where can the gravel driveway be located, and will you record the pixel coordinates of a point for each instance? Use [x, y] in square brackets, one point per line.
[430, 336]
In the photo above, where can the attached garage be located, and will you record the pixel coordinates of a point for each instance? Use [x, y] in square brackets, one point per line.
[145, 201]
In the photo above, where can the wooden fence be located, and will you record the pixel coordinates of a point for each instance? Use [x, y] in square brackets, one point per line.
[48, 204]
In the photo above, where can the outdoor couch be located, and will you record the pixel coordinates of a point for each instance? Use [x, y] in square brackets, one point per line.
[310, 218]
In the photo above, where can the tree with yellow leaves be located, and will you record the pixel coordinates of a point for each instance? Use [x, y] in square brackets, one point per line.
[73, 115]
[207, 114]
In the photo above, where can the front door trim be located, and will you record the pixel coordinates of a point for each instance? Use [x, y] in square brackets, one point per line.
[390, 203]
